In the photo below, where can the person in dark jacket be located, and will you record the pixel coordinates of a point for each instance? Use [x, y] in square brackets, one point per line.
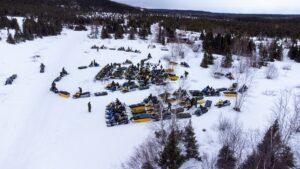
[89, 107]
[169, 106]
[186, 74]
[42, 68]
[64, 71]
[53, 87]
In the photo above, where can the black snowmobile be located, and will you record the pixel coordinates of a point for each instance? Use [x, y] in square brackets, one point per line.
[81, 95]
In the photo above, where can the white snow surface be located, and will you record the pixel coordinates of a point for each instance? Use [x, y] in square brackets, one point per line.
[40, 130]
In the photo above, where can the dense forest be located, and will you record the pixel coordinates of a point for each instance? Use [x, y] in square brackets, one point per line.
[223, 34]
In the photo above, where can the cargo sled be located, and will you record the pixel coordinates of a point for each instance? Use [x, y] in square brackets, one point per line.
[100, 94]
[222, 103]
[230, 94]
[64, 94]
[173, 77]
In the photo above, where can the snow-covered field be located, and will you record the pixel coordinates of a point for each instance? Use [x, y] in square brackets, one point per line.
[40, 130]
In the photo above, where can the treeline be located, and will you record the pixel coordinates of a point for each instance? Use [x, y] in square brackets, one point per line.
[228, 44]
[171, 148]
[250, 26]
[32, 28]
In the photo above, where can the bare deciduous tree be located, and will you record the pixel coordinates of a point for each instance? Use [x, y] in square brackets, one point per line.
[244, 77]
[208, 162]
[288, 114]
[231, 134]
[145, 153]
[271, 72]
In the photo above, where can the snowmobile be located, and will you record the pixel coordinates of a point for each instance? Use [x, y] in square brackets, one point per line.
[10, 80]
[221, 89]
[144, 87]
[208, 104]
[200, 111]
[54, 89]
[81, 95]
[233, 87]
[82, 67]
[128, 89]
[209, 91]
[117, 120]
[173, 77]
[218, 75]
[184, 64]
[57, 79]
[222, 103]
[243, 89]
[100, 94]
[196, 93]
[229, 76]
[183, 115]
[178, 110]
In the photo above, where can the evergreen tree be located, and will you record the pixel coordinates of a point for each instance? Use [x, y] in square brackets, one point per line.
[131, 34]
[226, 159]
[251, 47]
[263, 55]
[227, 59]
[147, 165]
[205, 60]
[104, 33]
[210, 57]
[297, 57]
[18, 37]
[10, 39]
[119, 33]
[202, 36]
[271, 152]
[293, 51]
[275, 51]
[208, 41]
[143, 33]
[170, 157]
[190, 142]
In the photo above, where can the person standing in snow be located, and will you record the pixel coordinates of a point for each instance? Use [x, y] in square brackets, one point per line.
[186, 74]
[89, 107]
[42, 68]
[169, 106]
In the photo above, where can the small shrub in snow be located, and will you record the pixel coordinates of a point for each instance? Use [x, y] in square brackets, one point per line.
[269, 93]
[287, 67]
[271, 72]
[224, 124]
